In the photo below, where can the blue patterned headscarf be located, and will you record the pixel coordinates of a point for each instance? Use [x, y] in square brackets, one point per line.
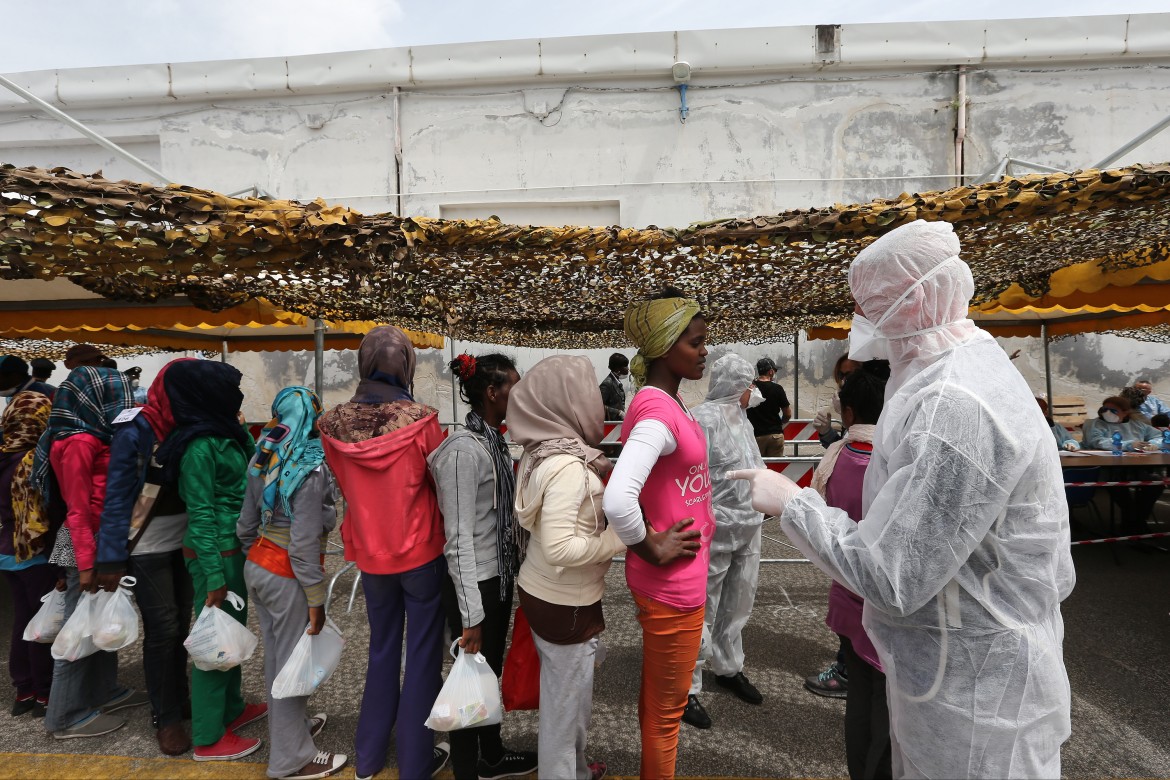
[285, 465]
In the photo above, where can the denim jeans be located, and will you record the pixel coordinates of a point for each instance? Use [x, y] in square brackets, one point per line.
[81, 686]
[164, 598]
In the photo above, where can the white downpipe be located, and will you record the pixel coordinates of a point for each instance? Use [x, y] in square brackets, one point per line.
[960, 125]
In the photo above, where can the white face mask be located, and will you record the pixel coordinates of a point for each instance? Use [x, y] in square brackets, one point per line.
[866, 342]
[755, 398]
[837, 405]
[1111, 417]
[134, 384]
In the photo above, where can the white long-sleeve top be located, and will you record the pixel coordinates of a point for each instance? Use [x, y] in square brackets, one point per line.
[647, 442]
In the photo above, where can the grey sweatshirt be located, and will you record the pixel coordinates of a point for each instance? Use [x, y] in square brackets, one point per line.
[313, 506]
[464, 476]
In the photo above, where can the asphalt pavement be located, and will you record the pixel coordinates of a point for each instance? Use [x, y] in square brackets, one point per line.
[1117, 651]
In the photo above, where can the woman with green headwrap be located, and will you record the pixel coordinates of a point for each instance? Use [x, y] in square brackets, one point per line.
[663, 470]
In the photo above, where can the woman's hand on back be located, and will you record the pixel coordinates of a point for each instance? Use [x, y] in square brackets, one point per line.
[669, 545]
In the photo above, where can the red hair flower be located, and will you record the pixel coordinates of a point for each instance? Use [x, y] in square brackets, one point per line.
[466, 367]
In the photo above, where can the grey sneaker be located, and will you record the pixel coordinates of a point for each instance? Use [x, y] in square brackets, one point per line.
[97, 725]
[131, 698]
[831, 683]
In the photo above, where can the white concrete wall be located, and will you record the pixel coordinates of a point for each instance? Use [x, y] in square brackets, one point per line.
[603, 136]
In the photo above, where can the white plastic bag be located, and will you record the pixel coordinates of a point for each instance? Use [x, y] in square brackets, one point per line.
[117, 625]
[75, 641]
[470, 696]
[46, 624]
[218, 641]
[310, 664]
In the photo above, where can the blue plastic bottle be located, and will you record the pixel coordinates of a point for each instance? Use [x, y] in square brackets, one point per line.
[1166, 441]
[1117, 448]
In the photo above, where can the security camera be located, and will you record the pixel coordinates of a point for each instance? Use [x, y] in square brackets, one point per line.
[681, 72]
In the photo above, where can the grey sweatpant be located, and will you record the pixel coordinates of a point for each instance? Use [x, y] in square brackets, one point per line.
[566, 703]
[280, 605]
[732, 577]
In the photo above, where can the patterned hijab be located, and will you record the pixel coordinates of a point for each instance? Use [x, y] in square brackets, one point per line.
[86, 402]
[654, 326]
[24, 421]
[285, 465]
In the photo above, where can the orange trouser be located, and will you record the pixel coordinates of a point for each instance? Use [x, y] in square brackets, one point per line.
[670, 647]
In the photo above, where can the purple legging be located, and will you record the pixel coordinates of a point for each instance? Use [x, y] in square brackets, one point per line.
[392, 600]
[29, 663]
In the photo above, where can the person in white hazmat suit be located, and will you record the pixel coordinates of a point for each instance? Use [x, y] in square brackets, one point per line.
[734, 569]
[963, 556]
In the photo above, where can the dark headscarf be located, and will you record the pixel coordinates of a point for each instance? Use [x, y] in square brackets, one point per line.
[157, 409]
[205, 401]
[386, 367]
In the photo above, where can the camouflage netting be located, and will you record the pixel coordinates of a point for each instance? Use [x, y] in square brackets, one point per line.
[27, 349]
[549, 286]
[1158, 334]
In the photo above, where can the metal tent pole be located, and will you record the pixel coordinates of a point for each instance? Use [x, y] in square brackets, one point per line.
[97, 138]
[796, 374]
[1047, 365]
[1135, 143]
[454, 390]
[223, 352]
[319, 356]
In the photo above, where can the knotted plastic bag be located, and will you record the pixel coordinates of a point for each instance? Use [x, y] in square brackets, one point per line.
[117, 625]
[470, 697]
[75, 641]
[218, 641]
[312, 661]
[46, 624]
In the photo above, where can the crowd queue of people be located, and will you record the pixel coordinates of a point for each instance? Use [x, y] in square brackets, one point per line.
[936, 511]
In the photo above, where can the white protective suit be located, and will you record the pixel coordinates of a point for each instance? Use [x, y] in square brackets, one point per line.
[963, 558]
[734, 571]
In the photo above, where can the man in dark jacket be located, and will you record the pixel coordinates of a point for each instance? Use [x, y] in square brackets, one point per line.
[15, 378]
[613, 393]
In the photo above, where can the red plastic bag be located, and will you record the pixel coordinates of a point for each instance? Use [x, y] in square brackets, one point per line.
[521, 678]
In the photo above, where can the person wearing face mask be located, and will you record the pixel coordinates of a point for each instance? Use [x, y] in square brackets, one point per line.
[15, 378]
[733, 571]
[1115, 416]
[613, 389]
[823, 422]
[962, 553]
[1150, 404]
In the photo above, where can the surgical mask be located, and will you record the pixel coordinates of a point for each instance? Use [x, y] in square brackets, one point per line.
[134, 384]
[865, 342]
[837, 405]
[1111, 416]
[755, 398]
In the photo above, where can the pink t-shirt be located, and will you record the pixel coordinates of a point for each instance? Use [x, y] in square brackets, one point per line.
[679, 486]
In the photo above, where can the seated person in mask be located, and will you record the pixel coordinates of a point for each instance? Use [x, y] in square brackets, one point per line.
[1115, 416]
[1064, 439]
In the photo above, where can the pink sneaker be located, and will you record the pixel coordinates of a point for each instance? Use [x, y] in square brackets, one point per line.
[229, 747]
[251, 714]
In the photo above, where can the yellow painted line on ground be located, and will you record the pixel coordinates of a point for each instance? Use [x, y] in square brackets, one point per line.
[88, 766]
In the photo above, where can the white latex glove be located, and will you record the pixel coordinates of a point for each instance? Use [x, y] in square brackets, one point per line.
[1144, 446]
[1071, 446]
[771, 491]
[823, 422]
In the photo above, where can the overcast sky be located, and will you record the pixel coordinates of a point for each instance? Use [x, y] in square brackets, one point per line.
[50, 34]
